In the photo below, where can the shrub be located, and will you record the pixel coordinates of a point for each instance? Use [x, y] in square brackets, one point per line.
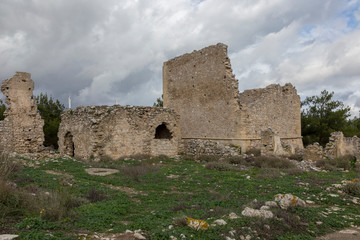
[187, 157]
[220, 166]
[180, 221]
[208, 158]
[95, 195]
[135, 172]
[347, 162]
[273, 162]
[297, 157]
[255, 151]
[352, 188]
[268, 173]
[237, 160]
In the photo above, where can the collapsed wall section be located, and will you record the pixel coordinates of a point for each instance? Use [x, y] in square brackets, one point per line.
[22, 129]
[119, 131]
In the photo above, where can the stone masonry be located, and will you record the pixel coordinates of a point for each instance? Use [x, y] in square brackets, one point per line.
[337, 147]
[202, 89]
[22, 129]
[118, 131]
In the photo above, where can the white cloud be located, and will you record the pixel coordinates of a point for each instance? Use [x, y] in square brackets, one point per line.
[102, 51]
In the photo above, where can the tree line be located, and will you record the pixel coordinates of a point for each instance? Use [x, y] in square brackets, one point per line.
[320, 116]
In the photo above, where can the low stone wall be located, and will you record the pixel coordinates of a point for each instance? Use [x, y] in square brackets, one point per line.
[119, 131]
[208, 147]
[338, 146]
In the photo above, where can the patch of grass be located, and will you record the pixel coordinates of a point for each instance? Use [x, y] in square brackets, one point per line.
[268, 173]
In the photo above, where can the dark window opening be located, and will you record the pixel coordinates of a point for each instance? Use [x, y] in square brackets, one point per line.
[162, 132]
[69, 145]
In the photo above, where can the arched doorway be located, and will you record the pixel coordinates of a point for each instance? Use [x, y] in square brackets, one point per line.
[69, 145]
[162, 132]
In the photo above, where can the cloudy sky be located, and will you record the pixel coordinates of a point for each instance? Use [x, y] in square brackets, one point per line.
[106, 51]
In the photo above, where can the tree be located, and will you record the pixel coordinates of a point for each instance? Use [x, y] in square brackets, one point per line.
[159, 102]
[2, 110]
[321, 116]
[50, 111]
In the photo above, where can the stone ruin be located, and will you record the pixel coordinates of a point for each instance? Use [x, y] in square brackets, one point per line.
[337, 147]
[202, 89]
[103, 131]
[22, 129]
[204, 113]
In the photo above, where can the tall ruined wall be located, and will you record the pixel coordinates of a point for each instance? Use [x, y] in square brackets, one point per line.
[202, 89]
[119, 131]
[22, 128]
[276, 107]
[200, 86]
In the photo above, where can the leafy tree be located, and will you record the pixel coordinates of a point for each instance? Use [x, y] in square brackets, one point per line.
[50, 110]
[159, 102]
[2, 110]
[321, 115]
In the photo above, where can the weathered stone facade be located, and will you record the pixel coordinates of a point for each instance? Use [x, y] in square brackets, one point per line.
[22, 129]
[119, 131]
[202, 89]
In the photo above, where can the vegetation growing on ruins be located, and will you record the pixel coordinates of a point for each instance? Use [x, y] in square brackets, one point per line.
[321, 115]
[58, 199]
[159, 102]
[50, 111]
[2, 110]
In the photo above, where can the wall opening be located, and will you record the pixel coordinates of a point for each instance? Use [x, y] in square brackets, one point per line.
[69, 145]
[162, 132]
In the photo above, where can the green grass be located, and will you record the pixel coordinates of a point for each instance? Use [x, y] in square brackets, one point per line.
[75, 202]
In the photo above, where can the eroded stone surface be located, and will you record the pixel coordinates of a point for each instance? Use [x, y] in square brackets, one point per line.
[117, 131]
[22, 129]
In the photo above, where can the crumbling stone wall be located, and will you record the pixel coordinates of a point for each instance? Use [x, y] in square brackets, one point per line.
[337, 147]
[276, 107]
[200, 87]
[22, 129]
[119, 131]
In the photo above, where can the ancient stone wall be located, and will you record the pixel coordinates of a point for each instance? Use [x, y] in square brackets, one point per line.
[22, 129]
[200, 87]
[276, 107]
[119, 131]
[337, 147]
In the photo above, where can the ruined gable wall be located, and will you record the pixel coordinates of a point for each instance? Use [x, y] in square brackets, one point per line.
[276, 107]
[201, 88]
[22, 128]
[118, 131]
